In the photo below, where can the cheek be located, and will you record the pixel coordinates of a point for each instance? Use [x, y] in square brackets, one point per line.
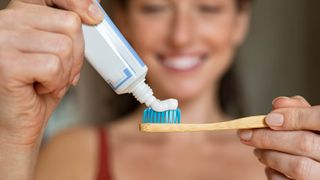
[218, 33]
[218, 36]
[146, 35]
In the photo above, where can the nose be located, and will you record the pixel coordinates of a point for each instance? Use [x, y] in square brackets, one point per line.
[182, 30]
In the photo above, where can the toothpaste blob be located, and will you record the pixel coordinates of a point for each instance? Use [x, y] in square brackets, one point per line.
[144, 94]
[115, 60]
[160, 106]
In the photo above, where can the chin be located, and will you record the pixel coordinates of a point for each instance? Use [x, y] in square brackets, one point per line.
[185, 96]
[181, 92]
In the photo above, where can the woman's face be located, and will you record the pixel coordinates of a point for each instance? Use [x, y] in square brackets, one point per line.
[187, 44]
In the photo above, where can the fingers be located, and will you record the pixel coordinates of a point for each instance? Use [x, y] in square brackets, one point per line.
[293, 149]
[25, 69]
[49, 19]
[45, 30]
[293, 113]
[295, 119]
[297, 167]
[302, 143]
[275, 175]
[88, 10]
[50, 78]
[286, 102]
[47, 43]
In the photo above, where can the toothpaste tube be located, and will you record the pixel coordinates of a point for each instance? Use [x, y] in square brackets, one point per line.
[115, 60]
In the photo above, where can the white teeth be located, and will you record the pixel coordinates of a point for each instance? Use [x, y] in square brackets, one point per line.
[182, 63]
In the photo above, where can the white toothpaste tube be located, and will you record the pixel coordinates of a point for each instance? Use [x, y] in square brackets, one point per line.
[111, 55]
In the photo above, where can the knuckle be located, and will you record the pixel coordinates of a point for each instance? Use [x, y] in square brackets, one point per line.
[301, 168]
[8, 68]
[302, 100]
[63, 46]
[72, 22]
[7, 16]
[268, 159]
[298, 97]
[3, 37]
[293, 117]
[8, 13]
[79, 5]
[264, 140]
[53, 65]
[307, 143]
[71, 4]
[315, 114]
[17, 4]
[6, 60]
[3, 68]
[4, 14]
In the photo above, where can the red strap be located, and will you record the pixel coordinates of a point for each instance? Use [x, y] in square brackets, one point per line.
[104, 169]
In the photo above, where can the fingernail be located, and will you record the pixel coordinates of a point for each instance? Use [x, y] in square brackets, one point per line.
[75, 80]
[275, 119]
[95, 11]
[245, 135]
[276, 99]
[62, 92]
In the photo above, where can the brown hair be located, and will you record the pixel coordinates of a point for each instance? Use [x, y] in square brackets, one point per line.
[229, 88]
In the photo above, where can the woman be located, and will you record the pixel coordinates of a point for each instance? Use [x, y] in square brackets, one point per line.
[188, 46]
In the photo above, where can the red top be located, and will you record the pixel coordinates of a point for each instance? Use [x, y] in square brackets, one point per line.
[103, 159]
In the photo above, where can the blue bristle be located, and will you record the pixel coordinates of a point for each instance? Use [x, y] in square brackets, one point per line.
[154, 120]
[159, 117]
[178, 114]
[144, 116]
[170, 116]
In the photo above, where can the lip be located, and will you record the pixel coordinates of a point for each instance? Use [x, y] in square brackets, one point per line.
[182, 62]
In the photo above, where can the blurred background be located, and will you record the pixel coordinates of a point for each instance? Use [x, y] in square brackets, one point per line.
[280, 58]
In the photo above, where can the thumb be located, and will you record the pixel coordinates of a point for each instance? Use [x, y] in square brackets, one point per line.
[289, 102]
[89, 11]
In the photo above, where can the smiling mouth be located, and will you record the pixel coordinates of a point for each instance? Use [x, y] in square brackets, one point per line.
[182, 63]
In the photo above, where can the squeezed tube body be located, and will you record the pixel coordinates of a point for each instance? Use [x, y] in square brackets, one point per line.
[119, 65]
[112, 56]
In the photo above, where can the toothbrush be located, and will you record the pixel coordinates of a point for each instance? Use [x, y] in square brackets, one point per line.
[170, 122]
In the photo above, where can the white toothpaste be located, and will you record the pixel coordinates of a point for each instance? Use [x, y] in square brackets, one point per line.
[115, 60]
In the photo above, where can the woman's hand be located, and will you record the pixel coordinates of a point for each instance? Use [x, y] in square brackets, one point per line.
[291, 147]
[41, 54]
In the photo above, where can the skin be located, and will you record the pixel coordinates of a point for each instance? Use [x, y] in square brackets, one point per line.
[33, 79]
[290, 148]
[40, 57]
[181, 29]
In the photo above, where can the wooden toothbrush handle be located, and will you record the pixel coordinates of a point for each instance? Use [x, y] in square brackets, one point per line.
[242, 123]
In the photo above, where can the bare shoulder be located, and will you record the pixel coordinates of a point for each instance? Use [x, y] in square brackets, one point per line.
[69, 155]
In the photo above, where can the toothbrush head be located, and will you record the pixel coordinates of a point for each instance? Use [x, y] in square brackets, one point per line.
[165, 117]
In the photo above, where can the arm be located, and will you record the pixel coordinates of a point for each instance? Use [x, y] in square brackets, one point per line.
[41, 54]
